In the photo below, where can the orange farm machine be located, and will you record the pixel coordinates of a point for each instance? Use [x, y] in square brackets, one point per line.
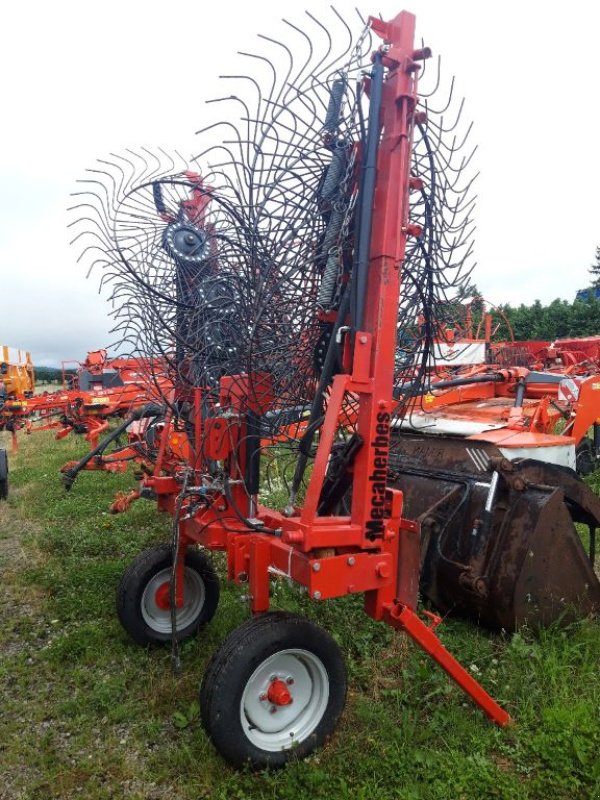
[101, 389]
[290, 286]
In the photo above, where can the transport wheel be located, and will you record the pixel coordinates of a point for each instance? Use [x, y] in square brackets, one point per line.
[3, 474]
[585, 456]
[143, 596]
[273, 692]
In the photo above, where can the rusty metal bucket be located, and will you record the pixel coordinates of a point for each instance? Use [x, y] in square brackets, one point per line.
[498, 538]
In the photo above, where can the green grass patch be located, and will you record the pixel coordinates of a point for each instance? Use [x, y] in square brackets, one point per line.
[86, 713]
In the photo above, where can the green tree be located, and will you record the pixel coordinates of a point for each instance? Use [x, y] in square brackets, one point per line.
[594, 270]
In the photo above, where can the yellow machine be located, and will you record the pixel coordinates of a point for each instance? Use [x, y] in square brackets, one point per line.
[17, 377]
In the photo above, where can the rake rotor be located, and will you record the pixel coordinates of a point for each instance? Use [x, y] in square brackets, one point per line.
[242, 266]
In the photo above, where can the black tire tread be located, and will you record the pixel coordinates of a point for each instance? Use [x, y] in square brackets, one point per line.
[136, 577]
[240, 654]
[225, 652]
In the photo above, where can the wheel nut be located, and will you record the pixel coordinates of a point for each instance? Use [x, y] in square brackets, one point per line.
[289, 680]
[262, 696]
[273, 709]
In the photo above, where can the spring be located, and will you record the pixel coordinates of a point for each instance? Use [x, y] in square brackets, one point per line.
[328, 282]
[332, 118]
[335, 172]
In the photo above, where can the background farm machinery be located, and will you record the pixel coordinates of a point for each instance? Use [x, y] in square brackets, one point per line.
[279, 290]
[101, 389]
[518, 410]
[17, 385]
[576, 356]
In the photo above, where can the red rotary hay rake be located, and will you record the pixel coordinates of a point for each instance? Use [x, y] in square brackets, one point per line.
[334, 219]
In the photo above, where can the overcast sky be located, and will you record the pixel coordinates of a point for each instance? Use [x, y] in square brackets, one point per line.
[82, 79]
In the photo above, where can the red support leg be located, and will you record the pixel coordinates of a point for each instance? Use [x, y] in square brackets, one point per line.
[403, 618]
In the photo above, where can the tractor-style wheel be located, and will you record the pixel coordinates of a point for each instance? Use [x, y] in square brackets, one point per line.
[3, 474]
[585, 454]
[143, 596]
[273, 692]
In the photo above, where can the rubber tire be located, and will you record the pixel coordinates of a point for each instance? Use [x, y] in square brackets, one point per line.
[136, 578]
[585, 457]
[3, 474]
[230, 669]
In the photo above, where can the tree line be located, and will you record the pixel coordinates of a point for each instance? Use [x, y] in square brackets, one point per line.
[50, 374]
[559, 319]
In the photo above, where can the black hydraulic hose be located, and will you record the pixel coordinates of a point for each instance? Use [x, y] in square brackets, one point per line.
[250, 524]
[520, 393]
[495, 377]
[316, 409]
[366, 194]
[498, 377]
[356, 296]
[252, 442]
[149, 410]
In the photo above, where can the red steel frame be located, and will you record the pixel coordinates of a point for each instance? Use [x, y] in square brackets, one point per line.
[373, 550]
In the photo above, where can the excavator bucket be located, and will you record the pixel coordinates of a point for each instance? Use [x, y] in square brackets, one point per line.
[499, 542]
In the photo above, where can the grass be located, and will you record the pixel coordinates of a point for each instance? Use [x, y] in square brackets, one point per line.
[85, 713]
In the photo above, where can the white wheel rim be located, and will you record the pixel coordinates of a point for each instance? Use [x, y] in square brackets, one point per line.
[274, 727]
[194, 594]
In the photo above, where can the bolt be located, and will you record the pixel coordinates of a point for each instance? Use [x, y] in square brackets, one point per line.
[362, 339]
[383, 570]
[351, 561]
[272, 678]
[289, 680]
[316, 595]
[273, 710]
[262, 696]
[316, 566]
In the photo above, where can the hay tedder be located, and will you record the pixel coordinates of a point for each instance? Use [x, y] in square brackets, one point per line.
[101, 390]
[107, 390]
[280, 289]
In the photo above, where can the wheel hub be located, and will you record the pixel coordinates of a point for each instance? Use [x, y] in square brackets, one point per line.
[274, 718]
[162, 597]
[155, 603]
[278, 693]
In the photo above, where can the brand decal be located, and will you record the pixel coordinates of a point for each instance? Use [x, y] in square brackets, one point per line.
[378, 477]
